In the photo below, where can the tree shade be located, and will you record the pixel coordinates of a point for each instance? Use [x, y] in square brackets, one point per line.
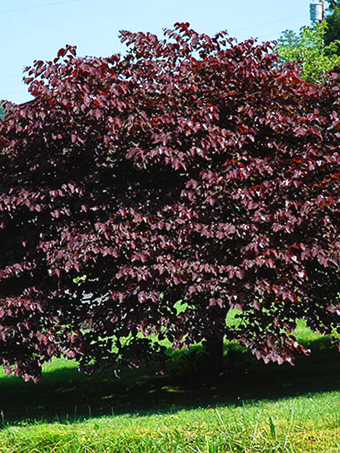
[143, 196]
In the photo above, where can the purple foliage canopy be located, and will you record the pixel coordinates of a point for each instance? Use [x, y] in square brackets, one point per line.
[193, 170]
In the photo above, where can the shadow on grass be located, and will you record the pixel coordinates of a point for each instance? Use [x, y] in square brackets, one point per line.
[66, 396]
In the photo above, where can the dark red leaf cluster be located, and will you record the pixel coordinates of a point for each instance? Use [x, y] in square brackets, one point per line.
[143, 196]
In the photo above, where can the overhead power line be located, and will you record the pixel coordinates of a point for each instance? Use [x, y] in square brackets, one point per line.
[270, 23]
[3, 95]
[11, 84]
[25, 8]
[10, 76]
[274, 34]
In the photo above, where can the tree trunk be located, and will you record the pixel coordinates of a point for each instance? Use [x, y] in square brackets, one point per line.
[214, 356]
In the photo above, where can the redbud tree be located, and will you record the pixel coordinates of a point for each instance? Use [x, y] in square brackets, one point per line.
[144, 195]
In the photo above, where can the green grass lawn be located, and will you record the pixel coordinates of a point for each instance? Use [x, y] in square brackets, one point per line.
[252, 408]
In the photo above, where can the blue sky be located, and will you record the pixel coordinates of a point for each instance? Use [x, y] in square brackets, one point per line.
[37, 29]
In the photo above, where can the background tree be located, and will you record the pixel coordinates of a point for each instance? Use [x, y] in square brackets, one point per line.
[332, 33]
[143, 196]
[308, 50]
[2, 112]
